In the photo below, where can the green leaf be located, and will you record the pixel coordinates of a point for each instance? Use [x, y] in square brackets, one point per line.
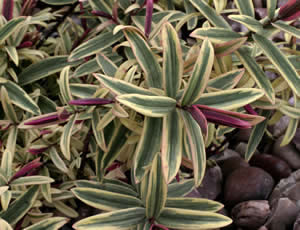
[271, 6]
[122, 219]
[6, 162]
[144, 155]
[20, 98]
[157, 190]
[290, 131]
[190, 219]
[284, 66]
[197, 204]
[7, 106]
[248, 21]
[83, 90]
[95, 45]
[145, 58]
[20, 206]
[229, 47]
[64, 85]
[200, 74]
[230, 99]
[189, 8]
[171, 147]
[44, 68]
[32, 180]
[245, 7]
[256, 135]
[257, 73]
[210, 14]
[180, 189]
[290, 111]
[46, 188]
[108, 67]
[10, 27]
[65, 209]
[172, 60]
[99, 135]
[57, 161]
[152, 106]
[53, 223]
[3, 189]
[227, 80]
[197, 146]
[58, 2]
[65, 139]
[4, 225]
[287, 28]
[104, 200]
[86, 68]
[120, 87]
[215, 35]
[13, 54]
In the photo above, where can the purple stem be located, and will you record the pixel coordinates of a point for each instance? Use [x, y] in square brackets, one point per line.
[149, 12]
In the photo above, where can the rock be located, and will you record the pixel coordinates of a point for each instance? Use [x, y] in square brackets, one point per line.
[211, 185]
[247, 183]
[283, 215]
[242, 147]
[228, 153]
[251, 214]
[231, 164]
[276, 167]
[280, 126]
[296, 139]
[297, 223]
[287, 153]
[263, 228]
[243, 135]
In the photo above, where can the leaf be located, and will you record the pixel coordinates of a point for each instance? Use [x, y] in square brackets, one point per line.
[257, 73]
[13, 54]
[145, 58]
[99, 135]
[64, 85]
[245, 7]
[20, 206]
[171, 146]
[215, 35]
[120, 87]
[95, 45]
[46, 188]
[190, 219]
[180, 189]
[3, 189]
[122, 219]
[189, 9]
[256, 135]
[58, 2]
[65, 139]
[156, 191]
[279, 60]
[53, 223]
[6, 162]
[290, 111]
[44, 68]
[83, 90]
[86, 68]
[4, 225]
[7, 106]
[108, 67]
[152, 106]
[229, 47]
[144, 155]
[210, 14]
[32, 180]
[197, 146]
[290, 131]
[172, 60]
[65, 209]
[230, 99]
[197, 204]
[227, 80]
[104, 200]
[287, 28]
[251, 23]
[271, 6]
[10, 27]
[57, 161]
[20, 98]
[200, 75]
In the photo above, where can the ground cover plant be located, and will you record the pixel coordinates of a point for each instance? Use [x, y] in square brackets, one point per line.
[119, 107]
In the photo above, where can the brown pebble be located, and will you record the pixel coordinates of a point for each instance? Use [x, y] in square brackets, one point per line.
[276, 167]
[231, 164]
[251, 214]
[247, 183]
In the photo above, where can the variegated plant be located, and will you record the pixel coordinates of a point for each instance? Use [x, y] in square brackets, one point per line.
[107, 102]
